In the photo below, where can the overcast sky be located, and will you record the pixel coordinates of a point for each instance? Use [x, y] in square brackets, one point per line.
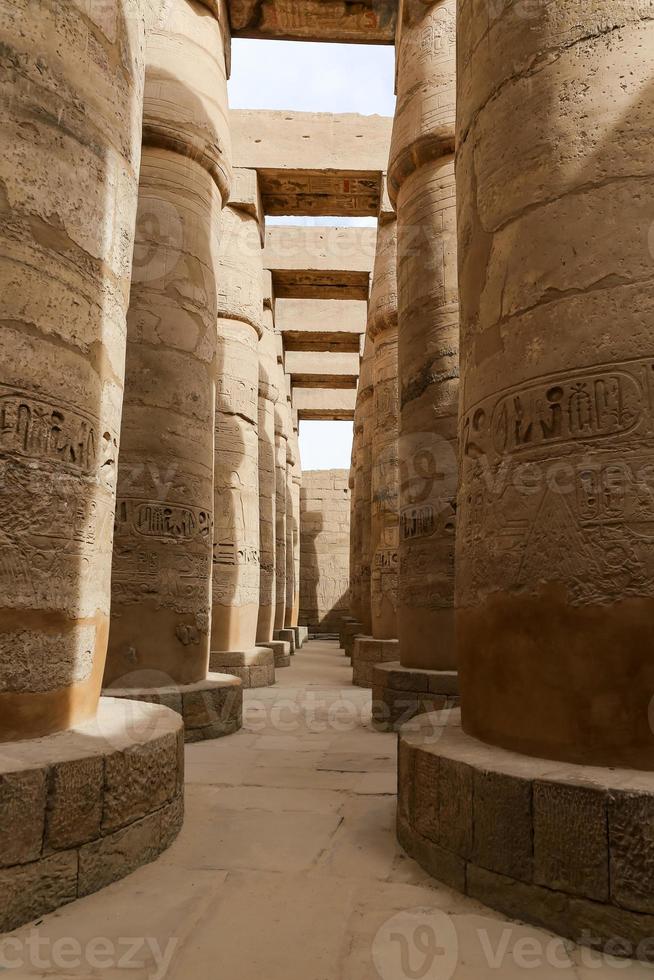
[312, 77]
[315, 78]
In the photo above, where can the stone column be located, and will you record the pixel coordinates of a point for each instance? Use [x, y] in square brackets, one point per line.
[236, 553]
[555, 601]
[422, 186]
[161, 579]
[268, 397]
[291, 461]
[281, 440]
[362, 505]
[385, 476]
[301, 632]
[286, 632]
[382, 646]
[270, 381]
[363, 500]
[71, 99]
[67, 231]
[349, 621]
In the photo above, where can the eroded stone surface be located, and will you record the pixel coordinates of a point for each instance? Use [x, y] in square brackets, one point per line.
[236, 556]
[366, 653]
[269, 395]
[554, 576]
[210, 708]
[362, 493]
[400, 694]
[82, 808]
[421, 182]
[71, 102]
[161, 579]
[528, 836]
[385, 474]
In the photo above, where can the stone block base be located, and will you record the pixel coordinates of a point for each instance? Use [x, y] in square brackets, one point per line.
[287, 636]
[368, 652]
[83, 808]
[210, 708]
[401, 693]
[256, 667]
[351, 632]
[346, 624]
[561, 846]
[281, 651]
[301, 636]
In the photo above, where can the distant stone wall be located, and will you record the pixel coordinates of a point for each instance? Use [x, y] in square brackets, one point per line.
[325, 544]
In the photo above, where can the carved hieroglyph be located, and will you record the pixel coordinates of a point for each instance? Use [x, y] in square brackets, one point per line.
[362, 543]
[236, 557]
[421, 181]
[161, 579]
[71, 89]
[365, 21]
[555, 175]
[382, 327]
[268, 397]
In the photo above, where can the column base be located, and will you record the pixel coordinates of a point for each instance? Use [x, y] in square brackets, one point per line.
[301, 636]
[210, 708]
[86, 807]
[255, 667]
[401, 693]
[350, 634]
[287, 636]
[281, 651]
[560, 846]
[368, 652]
[346, 622]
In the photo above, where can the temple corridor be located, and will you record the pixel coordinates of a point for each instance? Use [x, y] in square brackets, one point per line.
[288, 865]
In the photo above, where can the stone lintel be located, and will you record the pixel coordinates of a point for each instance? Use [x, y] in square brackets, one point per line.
[344, 21]
[310, 142]
[293, 248]
[333, 284]
[351, 194]
[325, 404]
[321, 325]
[309, 369]
[561, 846]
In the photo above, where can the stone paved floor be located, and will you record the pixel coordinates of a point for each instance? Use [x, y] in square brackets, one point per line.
[288, 869]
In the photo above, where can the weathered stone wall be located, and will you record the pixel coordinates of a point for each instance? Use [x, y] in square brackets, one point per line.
[325, 549]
